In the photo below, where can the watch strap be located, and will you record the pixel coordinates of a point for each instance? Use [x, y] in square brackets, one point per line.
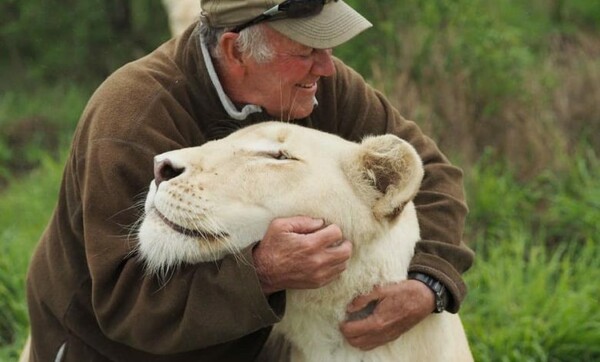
[438, 289]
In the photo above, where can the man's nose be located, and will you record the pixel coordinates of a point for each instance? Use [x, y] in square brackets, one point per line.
[323, 65]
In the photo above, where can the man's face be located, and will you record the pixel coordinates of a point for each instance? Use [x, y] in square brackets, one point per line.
[286, 85]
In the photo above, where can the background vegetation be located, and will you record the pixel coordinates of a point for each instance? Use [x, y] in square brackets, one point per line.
[509, 89]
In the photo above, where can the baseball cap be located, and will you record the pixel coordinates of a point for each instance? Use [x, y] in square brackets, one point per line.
[334, 25]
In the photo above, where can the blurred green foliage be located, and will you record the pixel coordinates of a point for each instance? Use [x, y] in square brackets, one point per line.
[572, 211]
[37, 124]
[54, 39]
[76, 40]
[484, 29]
[533, 295]
[25, 208]
[557, 207]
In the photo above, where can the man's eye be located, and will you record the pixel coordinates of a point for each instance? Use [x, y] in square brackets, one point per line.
[306, 54]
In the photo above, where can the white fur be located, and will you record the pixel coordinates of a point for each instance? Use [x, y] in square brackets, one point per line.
[235, 187]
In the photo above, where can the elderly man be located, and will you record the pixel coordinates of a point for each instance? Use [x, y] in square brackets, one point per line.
[248, 61]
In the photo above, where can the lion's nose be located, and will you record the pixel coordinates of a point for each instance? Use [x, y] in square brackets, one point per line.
[164, 170]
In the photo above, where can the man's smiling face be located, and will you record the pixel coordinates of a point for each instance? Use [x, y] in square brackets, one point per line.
[285, 86]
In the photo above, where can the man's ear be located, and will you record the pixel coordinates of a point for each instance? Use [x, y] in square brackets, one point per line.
[230, 55]
[388, 172]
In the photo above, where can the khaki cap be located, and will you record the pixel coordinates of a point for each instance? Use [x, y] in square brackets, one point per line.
[334, 25]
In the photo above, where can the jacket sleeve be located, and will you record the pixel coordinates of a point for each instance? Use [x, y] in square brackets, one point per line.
[198, 305]
[361, 110]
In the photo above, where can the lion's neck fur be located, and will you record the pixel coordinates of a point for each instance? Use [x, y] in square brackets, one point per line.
[382, 260]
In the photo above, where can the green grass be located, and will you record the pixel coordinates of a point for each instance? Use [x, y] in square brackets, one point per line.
[534, 287]
[25, 208]
[37, 125]
[527, 303]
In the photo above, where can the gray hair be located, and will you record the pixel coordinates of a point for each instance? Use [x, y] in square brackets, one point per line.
[251, 41]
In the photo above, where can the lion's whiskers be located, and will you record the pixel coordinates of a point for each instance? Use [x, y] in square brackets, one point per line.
[214, 226]
[208, 228]
[293, 103]
[281, 100]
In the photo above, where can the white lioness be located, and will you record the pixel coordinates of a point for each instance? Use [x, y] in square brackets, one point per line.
[220, 197]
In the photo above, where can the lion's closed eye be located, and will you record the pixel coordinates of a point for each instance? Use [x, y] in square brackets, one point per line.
[281, 155]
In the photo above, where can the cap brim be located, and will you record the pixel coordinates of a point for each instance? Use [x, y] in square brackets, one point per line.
[334, 25]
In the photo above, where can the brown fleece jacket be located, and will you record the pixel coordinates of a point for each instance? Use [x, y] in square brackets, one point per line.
[86, 289]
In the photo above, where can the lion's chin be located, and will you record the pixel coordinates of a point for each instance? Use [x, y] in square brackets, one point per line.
[191, 233]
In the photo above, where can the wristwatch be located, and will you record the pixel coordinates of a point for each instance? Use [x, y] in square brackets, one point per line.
[438, 289]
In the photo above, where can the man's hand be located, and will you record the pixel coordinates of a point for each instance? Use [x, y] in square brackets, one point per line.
[400, 306]
[300, 253]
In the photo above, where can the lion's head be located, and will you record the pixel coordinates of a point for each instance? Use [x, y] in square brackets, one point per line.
[220, 197]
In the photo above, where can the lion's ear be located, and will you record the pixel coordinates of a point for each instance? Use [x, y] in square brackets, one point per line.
[390, 172]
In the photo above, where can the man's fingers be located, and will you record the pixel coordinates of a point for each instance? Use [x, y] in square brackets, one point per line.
[362, 342]
[358, 328]
[340, 253]
[298, 224]
[400, 307]
[329, 236]
[365, 343]
[367, 333]
[359, 303]
[362, 301]
[301, 253]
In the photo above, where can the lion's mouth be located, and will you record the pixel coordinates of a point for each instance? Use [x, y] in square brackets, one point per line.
[194, 233]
